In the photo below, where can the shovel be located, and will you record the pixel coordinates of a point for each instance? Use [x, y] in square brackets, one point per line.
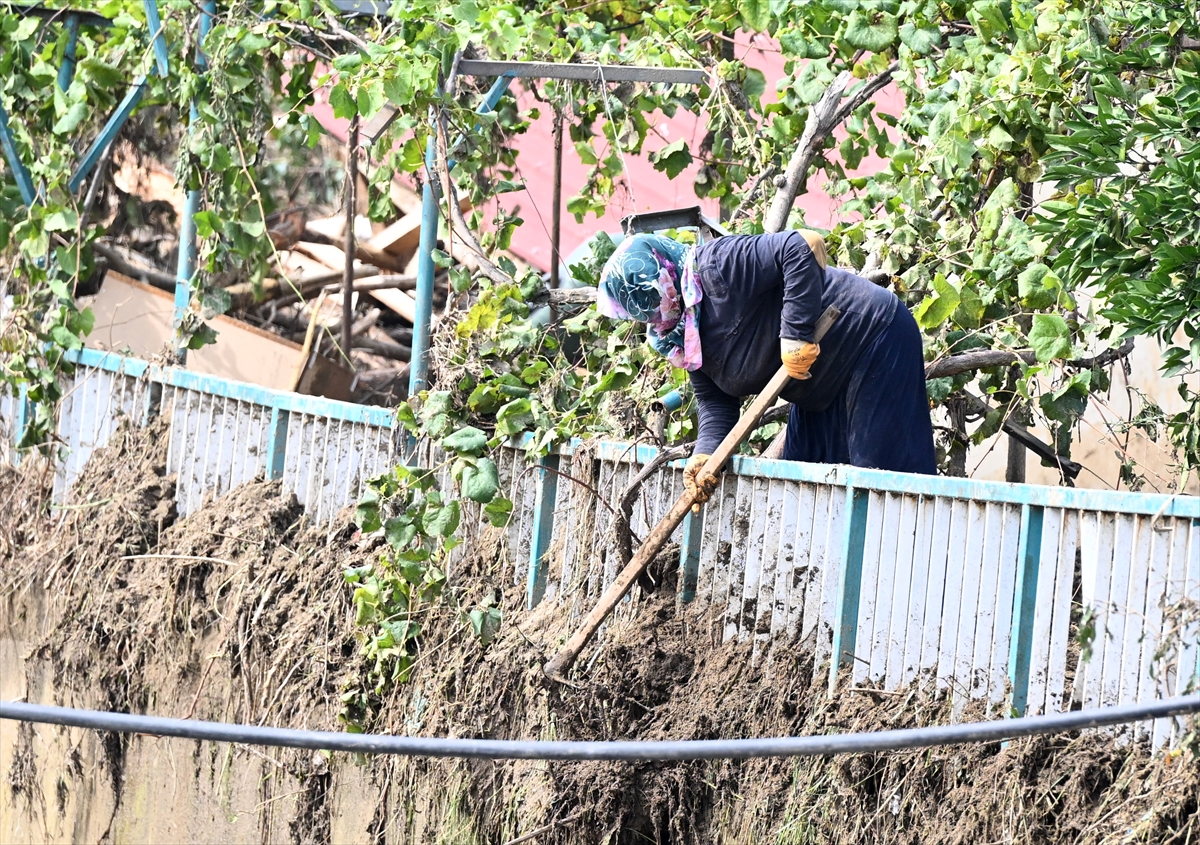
[556, 669]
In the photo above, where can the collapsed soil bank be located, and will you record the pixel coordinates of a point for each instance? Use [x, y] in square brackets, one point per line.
[240, 613]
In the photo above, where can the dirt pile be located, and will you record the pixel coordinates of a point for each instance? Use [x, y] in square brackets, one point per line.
[240, 613]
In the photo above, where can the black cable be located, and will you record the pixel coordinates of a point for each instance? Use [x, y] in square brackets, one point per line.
[499, 749]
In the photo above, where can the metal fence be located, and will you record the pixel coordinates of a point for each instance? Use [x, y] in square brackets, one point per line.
[1019, 597]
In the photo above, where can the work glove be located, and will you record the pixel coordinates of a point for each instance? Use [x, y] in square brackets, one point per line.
[798, 357]
[703, 488]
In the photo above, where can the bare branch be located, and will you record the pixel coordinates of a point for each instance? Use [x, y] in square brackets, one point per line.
[984, 358]
[823, 116]
[978, 360]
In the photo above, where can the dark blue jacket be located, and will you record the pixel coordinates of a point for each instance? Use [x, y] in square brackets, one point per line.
[758, 289]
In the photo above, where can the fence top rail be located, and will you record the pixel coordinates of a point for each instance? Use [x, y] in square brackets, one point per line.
[1177, 505]
[284, 400]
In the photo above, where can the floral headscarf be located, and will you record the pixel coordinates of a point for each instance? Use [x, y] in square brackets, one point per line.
[653, 279]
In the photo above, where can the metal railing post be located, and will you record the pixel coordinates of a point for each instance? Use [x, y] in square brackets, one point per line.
[186, 268]
[1029, 553]
[854, 537]
[545, 495]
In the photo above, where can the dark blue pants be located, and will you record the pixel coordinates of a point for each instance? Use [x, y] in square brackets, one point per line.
[881, 417]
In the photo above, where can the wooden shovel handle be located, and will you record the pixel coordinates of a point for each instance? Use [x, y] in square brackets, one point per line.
[558, 666]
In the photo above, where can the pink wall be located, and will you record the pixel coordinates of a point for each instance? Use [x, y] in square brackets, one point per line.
[644, 188]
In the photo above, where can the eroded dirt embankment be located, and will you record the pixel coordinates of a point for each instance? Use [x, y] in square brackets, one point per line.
[240, 614]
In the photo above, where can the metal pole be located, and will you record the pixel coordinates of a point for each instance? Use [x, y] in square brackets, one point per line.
[67, 72]
[556, 211]
[351, 205]
[419, 374]
[187, 226]
[419, 369]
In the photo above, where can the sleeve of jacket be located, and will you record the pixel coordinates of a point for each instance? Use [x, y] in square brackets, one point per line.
[718, 412]
[803, 287]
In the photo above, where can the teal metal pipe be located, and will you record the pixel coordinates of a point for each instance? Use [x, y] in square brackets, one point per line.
[109, 133]
[186, 268]
[154, 22]
[19, 171]
[67, 72]
[418, 376]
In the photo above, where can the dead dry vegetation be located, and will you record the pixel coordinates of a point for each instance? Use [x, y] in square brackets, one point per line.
[239, 613]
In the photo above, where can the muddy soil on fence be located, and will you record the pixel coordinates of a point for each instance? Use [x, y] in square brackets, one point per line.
[240, 613]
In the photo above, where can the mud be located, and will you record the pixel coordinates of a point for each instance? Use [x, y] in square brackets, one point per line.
[240, 614]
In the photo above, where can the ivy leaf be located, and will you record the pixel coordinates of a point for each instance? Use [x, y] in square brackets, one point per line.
[871, 31]
[467, 441]
[514, 417]
[486, 622]
[344, 106]
[936, 308]
[498, 511]
[921, 40]
[442, 521]
[65, 338]
[74, 116]
[370, 99]
[481, 482]
[756, 14]
[82, 322]
[399, 532]
[673, 159]
[1050, 337]
[202, 335]
[366, 514]
[63, 220]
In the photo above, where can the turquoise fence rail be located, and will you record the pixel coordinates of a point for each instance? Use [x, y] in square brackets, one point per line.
[989, 592]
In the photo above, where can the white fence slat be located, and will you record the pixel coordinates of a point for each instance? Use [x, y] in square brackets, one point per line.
[1110, 641]
[753, 568]
[803, 575]
[968, 603]
[861, 660]
[898, 617]
[1006, 584]
[1064, 595]
[1134, 609]
[737, 575]
[942, 550]
[918, 590]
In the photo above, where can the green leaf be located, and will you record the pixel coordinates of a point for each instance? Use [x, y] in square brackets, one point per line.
[207, 223]
[399, 532]
[936, 308]
[1050, 337]
[370, 99]
[481, 482]
[486, 622]
[756, 14]
[63, 220]
[344, 106]
[441, 522]
[467, 441]
[366, 513]
[74, 116]
[673, 159]
[82, 322]
[202, 335]
[755, 84]
[65, 338]
[921, 40]
[498, 511]
[871, 31]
